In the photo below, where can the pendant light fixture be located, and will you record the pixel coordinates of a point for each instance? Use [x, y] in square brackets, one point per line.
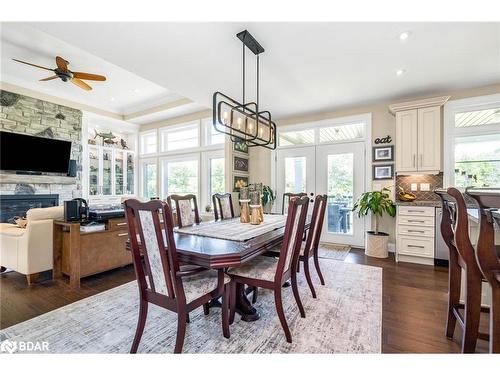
[242, 121]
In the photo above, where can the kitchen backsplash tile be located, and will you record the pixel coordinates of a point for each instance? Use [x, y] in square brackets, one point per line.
[435, 181]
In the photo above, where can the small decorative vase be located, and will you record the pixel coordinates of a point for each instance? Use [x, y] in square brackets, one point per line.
[245, 211]
[261, 213]
[255, 218]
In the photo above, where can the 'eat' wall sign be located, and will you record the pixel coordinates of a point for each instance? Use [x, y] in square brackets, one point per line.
[387, 139]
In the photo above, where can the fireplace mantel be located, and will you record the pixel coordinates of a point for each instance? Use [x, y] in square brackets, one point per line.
[12, 178]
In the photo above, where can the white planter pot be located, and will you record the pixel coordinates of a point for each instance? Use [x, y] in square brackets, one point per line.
[376, 245]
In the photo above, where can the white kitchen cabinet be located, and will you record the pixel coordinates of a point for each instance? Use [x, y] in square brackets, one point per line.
[415, 231]
[406, 138]
[418, 135]
[429, 139]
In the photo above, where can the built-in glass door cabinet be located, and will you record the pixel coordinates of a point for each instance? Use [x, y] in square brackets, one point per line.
[418, 135]
[111, 171]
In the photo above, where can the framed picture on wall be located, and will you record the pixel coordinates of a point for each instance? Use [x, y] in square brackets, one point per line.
[239, 145]
[383, 153]
[239, 182]
[383, 172]
[240, 164]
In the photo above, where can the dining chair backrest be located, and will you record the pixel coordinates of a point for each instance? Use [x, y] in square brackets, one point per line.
[448, 219]
[294, 231]
[186, 209]
[223, 206]
[457, 207]
[317, 218]
[156, 274]
[488, 202]
[286, 200]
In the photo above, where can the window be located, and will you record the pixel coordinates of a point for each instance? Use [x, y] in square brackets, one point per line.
[341, 133]
[295, 174]
[180, 137]
[180, 176]
[147, 143]
[300, 137]
[149, 178]
[212, 136]
[472, 138]
[216, 176]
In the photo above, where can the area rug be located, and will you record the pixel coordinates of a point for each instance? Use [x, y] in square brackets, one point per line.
[345, 318]
[333, 251]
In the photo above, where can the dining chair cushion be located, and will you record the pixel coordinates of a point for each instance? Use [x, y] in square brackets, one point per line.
[226, 207]
[261, 268]
[186, 212]
[200, 284]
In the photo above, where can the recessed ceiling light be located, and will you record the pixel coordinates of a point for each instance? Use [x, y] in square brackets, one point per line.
[400, 72]
[137, 91]
[112, 99]
[404, 35]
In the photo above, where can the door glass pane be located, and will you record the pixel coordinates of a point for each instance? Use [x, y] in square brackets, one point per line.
[295, 174]
[130, 174]
[93, 171]
[216, 176]
[182, 177]
[118, 172]
[106, 172]
[340, 193]
[149, 178]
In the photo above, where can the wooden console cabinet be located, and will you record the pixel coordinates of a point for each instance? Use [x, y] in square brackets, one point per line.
[79, 254]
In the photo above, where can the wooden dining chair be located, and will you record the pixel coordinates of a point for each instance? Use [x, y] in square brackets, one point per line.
[286, 199]
[162, 281]
[455, 232]
[271, 273]
[488, 254]
[186, 209]
[223, 206]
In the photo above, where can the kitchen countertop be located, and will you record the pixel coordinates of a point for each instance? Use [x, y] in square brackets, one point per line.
[417, 202]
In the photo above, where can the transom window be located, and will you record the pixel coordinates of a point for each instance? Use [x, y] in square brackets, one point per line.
[341, 133]
[178, 138]
[301, 137]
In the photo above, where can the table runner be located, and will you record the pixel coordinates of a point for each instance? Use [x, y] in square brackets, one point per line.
[233, 229]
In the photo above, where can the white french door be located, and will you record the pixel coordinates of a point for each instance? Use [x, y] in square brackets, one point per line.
[337, 170]
[340, 174]
[295, 172]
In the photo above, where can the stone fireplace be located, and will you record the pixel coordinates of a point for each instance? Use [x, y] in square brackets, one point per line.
[27, 115]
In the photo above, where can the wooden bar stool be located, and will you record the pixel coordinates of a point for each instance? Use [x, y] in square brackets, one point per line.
[488, 254]
[455, 232]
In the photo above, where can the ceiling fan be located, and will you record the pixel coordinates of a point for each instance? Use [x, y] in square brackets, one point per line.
[66, 75]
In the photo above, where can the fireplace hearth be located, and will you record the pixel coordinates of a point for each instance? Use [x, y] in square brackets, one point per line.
[17, 205]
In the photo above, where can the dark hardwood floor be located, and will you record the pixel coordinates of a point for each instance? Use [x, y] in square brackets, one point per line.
[414, 302]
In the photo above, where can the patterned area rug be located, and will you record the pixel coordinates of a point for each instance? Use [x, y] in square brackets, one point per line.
[333, 251]
[345, 318]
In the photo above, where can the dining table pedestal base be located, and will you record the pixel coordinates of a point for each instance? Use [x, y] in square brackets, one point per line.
[244, 308]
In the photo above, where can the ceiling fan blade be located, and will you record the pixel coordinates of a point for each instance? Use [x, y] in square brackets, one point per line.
[49, 78]
[62, 64]
[38, 66]
[91, 77]
[81, 84]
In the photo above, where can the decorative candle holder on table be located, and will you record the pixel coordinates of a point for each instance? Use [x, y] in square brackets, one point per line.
[256, 216]
[244, 202]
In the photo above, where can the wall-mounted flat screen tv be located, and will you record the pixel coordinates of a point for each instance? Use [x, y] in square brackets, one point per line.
[26, 153]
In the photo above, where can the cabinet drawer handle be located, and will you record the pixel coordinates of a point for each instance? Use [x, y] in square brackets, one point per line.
[122, 234]
[416, 231]
[121, 224]
[418, 246]
[416, 221]
[416, 211]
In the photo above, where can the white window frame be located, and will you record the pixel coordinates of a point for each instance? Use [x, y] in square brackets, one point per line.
[206, 128]
[163, 161]
[206, 194]
[146, 133]
[476, 103]
[173, 129]
[142, 162]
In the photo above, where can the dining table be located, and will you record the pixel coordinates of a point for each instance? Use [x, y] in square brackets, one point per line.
[230, 243]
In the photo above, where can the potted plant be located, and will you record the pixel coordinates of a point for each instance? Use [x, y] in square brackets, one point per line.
[377, 203]
[268, 197]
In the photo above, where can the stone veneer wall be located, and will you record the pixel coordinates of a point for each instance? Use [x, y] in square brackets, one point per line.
[23, 114]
